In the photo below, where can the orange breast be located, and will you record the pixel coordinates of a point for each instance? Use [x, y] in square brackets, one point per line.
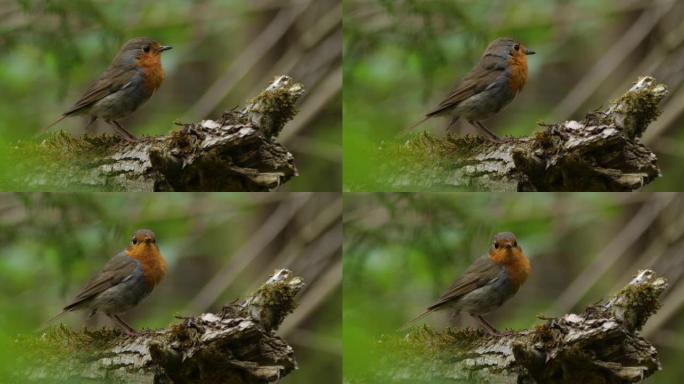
[518, 65]
[518, 270]
[154, 74]
[152, 262]
[517, 265]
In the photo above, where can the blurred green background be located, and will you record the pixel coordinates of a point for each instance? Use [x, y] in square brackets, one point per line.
[218, 246]
[224, 53]
[402, 251]
[401, 58]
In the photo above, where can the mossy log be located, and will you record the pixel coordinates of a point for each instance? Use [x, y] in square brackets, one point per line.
[600, 153]
[236, 345]
[599, 345]
[236, 152]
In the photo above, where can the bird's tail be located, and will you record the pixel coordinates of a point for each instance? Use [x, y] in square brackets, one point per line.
[52, 124]
[422, 315]
[50, 320]
[410, 128]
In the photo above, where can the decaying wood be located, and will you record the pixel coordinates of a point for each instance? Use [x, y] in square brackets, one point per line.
[599, 345]
[600, 153]
[236, 152]
[236, 345]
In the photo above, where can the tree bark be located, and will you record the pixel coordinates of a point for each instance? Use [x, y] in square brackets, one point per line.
[236, 345]
[236, 152]
[600, 345]
[600, 153]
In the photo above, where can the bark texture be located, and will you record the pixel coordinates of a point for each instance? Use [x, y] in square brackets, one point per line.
[600, 153]
[236, 345]
[599, 345]
[236, 152]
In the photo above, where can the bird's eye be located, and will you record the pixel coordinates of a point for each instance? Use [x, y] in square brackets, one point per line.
[134, 241]
[516, 47]
[146, 48]
[515, 243]
[495, 245]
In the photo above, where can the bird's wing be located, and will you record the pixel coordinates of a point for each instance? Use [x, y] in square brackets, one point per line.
[117, 269]
[481, 272]
[112, 80]
[473, 83]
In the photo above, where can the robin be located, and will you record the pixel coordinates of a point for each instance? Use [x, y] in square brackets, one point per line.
[487, 283]
[499, 76]
[124, 281]
[132, 77]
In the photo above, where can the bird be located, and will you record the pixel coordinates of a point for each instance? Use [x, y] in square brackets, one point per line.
[124, 281]
[492, 84]
[130, 80]
[487, 283]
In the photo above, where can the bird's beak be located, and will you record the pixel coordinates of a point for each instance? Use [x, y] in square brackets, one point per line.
[508, 245]
[529, 52]
[165, 48]
[148, 239]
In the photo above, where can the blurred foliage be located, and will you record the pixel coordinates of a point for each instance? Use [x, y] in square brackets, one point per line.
[51, 50]
[402, 57]
[52, 244]
[402, 251]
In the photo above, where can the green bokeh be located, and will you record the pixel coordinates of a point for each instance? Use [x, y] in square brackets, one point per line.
[53, 243]
[52, 50]
[403, 57]
[403, 250]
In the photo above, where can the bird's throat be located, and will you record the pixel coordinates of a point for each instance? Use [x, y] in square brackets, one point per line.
[518, 76]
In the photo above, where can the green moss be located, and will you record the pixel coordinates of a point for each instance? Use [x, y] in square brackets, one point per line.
[642, 108]
[425, 149]
[50, 156]
[279, 300]
[77, 148]
[543, 139]
[545, 335]
[641, 300]
[180, 139]
[427, 343]
[278, 105]
[60, 342]
[279, 296]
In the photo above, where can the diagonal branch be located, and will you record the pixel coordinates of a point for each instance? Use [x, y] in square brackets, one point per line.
[236, 345]
[599, 345]
[235, 152]
[600, 153]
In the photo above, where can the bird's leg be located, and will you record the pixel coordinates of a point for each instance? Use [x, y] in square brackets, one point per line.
[123, 131]
[452, 124]
[92, 120]
[491, 134]
[490, 328]
[129, 330]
